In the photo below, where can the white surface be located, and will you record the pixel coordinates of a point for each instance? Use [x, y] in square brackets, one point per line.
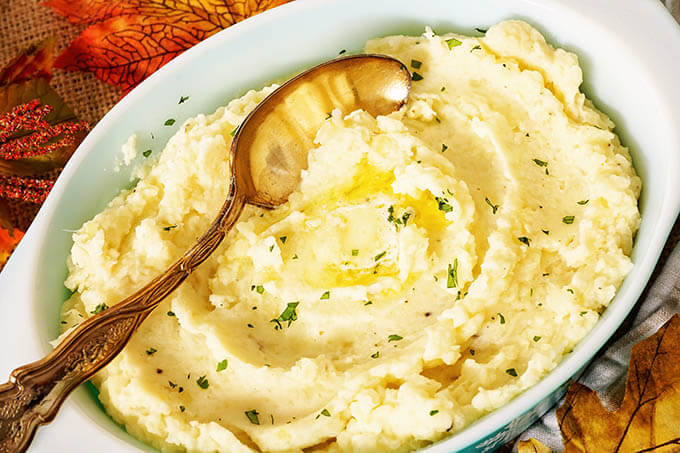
[629, 51]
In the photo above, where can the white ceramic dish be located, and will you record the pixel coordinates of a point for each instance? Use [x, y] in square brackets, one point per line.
[629, 53]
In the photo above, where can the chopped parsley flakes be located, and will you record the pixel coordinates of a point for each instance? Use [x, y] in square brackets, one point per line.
[326, 295]
[183, 99]
[283, 239]
[221, 366]
[355, 252]
[475, 48]
[99, 308]
[512, 372]
[444, 147]
[481, 30]
[537, 338]
[416, 64]
[182, 408]
[524, 240]
[203, 382]
[170, 227]
[443, 204]
[453, 42]
[415, 76]
[501, 318]
[394, 338]
[253, 416]
[151, 351]
[147, 153]
[582, 202]
[494, 207]
[452, 275]
[288, 315]
[540, 163]
[379, 255]
[169, 122]
[259, 289]
[434, 412]
[171, 313]
[568, 219]
[325, 413]
[375, 355]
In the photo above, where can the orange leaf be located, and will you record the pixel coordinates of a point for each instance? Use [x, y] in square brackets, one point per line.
[34, 62]
[8, 243]
[649, 416]
[128, 40]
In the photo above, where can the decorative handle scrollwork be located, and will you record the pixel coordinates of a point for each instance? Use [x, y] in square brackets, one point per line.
[36, 391]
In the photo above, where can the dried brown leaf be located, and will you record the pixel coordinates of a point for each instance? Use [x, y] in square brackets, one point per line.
[649, 416]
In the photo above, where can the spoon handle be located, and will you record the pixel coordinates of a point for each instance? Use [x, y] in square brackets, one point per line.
[36, 391]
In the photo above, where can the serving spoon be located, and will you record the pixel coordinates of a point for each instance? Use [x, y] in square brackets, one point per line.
[267, 154]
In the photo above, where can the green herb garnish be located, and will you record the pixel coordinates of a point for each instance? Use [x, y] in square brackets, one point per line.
[171, 313]
[283, 239]
[233, 132]
[537, 338]
[183, 99]
[582, 202]
[203, 382]
[168, 228]
[325, 413]
[182, 408]
[512, 372]
[368, 302]
[494, 207]
[147, 153]
[222, 365]
[252, 416]
[289, 315]
[434, 412]
[375, 355]
[568, 219]
[524, 240]
[326, 295]
[583, 313]
[475, 48]
[415, 76]
[169, 122]
[481, 30]
[444, 147]
[443, 204]
[453, 42]
[394, 338]
[452, 275]
[259, 289]
[99, 308]
[540, 163]
[416, 64]
[355, 252]
[151, 351]
[501, 317]
[379, 255]
[546, 232]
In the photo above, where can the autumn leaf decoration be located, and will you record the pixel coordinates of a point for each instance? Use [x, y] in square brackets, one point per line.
[38, 133]
[127, 40]
[648, 419]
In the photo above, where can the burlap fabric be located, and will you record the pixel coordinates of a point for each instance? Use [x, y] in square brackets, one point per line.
[24, 22]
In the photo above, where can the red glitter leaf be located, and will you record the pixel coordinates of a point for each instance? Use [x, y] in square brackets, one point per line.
[128, 40]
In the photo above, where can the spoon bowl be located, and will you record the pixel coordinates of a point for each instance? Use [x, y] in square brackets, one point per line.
[267, 154]
[270, 149]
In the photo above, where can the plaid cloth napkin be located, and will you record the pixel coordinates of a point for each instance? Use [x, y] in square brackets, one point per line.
[607, 373]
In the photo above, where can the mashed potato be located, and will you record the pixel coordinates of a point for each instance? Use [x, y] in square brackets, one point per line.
[432, 264]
